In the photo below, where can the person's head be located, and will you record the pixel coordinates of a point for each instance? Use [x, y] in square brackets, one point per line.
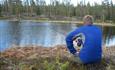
[88, 20]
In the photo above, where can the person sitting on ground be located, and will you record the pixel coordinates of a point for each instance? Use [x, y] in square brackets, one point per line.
[85, 42]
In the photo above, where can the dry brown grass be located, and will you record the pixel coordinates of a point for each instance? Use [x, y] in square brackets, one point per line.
[42, 58]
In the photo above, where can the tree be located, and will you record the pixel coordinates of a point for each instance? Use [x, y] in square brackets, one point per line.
[0, 10]
[27, 7]
[112, 10]
[107, 8]
[32, 7]
[5, 8]
[56, 9]
[18, 8]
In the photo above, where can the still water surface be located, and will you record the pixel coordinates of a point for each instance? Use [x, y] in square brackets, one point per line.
[46, 34]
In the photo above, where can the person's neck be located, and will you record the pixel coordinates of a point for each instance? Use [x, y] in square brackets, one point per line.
[88, 24]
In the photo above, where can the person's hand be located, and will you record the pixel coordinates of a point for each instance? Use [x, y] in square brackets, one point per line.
[76, 54]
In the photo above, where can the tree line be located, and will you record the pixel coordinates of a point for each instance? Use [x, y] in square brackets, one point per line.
[104, 11]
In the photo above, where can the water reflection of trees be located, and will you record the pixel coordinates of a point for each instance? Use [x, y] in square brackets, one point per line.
[108, 33]
[15, 33]
[45, 33]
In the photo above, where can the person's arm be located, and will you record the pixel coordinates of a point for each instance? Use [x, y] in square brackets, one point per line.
[69, 41]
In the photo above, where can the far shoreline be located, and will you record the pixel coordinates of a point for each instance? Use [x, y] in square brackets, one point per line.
[61, 21]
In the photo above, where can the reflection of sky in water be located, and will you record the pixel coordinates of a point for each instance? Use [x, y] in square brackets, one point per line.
[31, 33]
[40, 35]
[111, 42]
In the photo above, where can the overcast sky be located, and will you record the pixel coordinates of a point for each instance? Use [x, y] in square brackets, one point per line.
[77, 1]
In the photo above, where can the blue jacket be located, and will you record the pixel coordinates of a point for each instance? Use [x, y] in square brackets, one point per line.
[92, 47]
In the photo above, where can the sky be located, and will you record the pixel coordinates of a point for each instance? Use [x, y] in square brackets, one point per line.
[77, 1]
[74, 2]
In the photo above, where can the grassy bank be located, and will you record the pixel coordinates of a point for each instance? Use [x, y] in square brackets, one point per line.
[52, 58]
[67, 20]
[74, 22]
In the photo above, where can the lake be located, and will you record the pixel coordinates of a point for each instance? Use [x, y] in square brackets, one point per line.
[46, 34]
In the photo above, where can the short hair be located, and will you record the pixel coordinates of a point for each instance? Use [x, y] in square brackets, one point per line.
[88, 18]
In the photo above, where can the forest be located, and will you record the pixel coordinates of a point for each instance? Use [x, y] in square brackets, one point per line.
[57, 9]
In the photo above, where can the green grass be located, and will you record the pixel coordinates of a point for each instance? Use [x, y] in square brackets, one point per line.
[52, 63]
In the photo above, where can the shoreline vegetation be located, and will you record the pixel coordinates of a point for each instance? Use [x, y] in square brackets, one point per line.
[32, 57]
[57, 9]
[67, 20]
